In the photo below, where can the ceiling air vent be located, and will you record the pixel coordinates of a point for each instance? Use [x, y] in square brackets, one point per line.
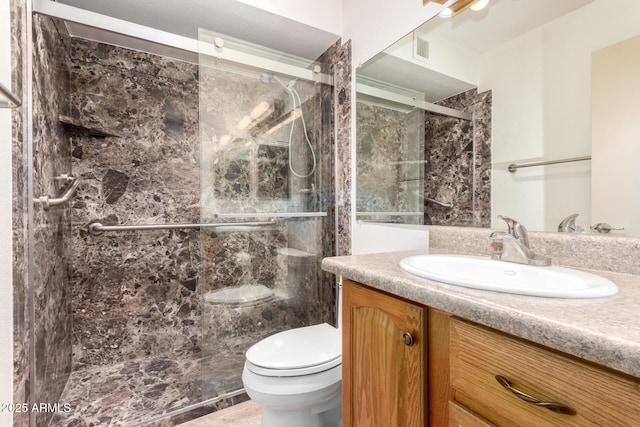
[420, 49]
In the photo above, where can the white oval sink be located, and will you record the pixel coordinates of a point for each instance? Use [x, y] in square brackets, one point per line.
[500, 276]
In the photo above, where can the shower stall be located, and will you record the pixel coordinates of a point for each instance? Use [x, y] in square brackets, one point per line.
[201, 212]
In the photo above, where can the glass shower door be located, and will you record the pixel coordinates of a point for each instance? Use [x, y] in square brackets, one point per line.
[265, 174]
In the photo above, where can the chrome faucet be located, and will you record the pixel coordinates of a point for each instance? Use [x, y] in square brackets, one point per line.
[513, 245]
[568, 225]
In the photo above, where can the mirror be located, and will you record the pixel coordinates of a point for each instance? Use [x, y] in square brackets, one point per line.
[443, 113]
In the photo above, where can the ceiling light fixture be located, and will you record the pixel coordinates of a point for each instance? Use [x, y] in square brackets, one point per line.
[446, 13]
[460, 6]
[479, 5]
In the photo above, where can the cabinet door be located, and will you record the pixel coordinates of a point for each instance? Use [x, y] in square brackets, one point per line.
[384, 360]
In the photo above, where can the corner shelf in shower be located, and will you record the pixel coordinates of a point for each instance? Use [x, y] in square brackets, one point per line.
[77, 128]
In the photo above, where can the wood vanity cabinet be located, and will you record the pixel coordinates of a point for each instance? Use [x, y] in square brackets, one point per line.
[383, 360]
[447, 375]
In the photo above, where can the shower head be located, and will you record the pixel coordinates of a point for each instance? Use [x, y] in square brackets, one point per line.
[265, 78]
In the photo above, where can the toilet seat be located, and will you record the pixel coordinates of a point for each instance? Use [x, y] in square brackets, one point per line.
[301, 351]
[239, 296]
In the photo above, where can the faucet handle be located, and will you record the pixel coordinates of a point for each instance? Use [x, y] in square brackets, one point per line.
[516, 229]
[509, 222]
[603, 227]
[568, 225]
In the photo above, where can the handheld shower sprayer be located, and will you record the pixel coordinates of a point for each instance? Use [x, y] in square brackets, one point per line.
[297, 105]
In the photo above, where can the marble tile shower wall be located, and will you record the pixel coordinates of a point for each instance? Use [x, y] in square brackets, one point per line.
[134, 293]
[246, 151]
[339, 56]
[20, 281]
[137, 294]
[388, 177]
[458, 162]
[51, 267]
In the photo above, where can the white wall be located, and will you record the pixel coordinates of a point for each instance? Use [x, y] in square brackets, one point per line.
[374, 25]
[445, 57]
[325, 15]
[616, 135]
[371, 25]
[372, 238]
[6, 294]
[545, 74]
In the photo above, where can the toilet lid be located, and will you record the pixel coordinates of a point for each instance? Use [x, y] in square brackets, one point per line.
[239, 295]
[300, 351]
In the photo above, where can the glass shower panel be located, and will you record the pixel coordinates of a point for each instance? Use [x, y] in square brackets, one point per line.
[391, 161]
[264, 164]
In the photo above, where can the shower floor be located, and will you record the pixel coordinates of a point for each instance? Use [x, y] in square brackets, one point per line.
[134, 392]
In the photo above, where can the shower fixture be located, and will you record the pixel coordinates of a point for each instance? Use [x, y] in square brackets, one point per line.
[297, 105]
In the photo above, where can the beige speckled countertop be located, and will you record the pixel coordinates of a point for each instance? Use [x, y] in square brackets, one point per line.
[605, 331]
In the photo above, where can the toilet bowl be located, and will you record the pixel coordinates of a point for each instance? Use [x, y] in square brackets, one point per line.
[296, 376]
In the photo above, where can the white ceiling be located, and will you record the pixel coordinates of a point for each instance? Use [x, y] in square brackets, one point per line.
[227, 17]
[478, 32]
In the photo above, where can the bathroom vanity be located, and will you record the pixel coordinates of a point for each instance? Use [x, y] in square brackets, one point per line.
[417, 352]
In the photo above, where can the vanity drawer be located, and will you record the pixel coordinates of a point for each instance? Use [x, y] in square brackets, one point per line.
[478, 355]
[459, 416]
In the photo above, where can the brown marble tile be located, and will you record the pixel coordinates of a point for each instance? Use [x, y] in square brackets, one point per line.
[21, 316]
[458, 162]
[148, 391]
[51, 267]
[389, 147]
[339, 57]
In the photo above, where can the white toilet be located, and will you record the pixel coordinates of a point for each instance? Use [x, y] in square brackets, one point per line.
[296, 376]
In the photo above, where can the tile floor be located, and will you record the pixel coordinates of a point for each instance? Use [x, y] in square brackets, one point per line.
[246, 414]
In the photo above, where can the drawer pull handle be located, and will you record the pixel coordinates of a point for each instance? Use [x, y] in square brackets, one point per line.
[408, 339]
[552, 406]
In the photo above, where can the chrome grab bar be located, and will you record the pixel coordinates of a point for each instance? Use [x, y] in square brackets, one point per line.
[514, 166]
[386, 221]
[389, 213]
[439, 203]
[97, 228]
[72, 185]
[8, 99]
